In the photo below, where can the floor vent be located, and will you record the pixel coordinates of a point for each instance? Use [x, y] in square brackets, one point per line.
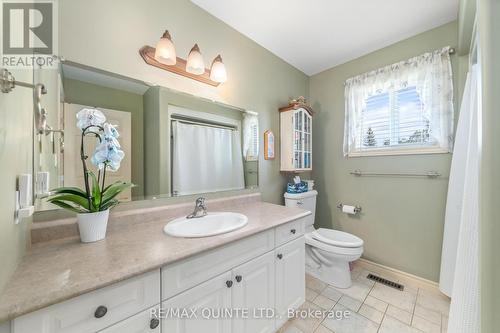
[386, 282]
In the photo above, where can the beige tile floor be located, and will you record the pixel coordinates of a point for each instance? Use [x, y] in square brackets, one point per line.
[372, 307]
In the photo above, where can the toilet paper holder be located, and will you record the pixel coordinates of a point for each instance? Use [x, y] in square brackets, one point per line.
[357, 209]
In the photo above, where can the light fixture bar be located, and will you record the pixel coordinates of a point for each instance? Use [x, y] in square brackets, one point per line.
[148, 54]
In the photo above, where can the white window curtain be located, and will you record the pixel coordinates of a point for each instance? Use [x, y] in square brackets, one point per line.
[429, 78]
[251, 136]
[205, 159]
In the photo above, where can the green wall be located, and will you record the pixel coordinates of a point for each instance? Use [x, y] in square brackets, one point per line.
[402, 219]
[84, 93]
[16, 146]
[257, 79]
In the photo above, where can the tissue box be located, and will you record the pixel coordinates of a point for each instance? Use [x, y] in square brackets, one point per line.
[297, 188]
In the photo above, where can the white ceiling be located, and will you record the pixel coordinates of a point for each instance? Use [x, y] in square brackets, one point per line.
[315, 35]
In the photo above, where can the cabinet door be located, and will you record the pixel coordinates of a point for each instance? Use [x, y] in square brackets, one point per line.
[290, 278]
[214, 294]
[144, 322]
[254, 290]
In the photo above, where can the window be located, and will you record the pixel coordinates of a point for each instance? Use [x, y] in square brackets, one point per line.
[405, 108]
[251, 136]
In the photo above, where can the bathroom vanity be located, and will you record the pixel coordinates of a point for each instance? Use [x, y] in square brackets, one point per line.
[114, 285]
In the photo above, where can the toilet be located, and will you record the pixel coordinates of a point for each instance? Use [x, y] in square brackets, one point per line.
[328, 251]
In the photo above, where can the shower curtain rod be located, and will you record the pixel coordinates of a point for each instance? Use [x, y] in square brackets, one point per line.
[202, 123]
[429, 174]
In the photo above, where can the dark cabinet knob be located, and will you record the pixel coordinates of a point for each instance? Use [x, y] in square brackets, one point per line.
[280, 256]
[154, 323]
[293, 231]
[100, 311]
[229, 283]
[238, 278]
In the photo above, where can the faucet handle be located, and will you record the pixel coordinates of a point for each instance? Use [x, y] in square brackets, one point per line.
[200, 201]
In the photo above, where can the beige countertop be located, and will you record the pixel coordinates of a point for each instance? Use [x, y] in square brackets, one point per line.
[55, 271]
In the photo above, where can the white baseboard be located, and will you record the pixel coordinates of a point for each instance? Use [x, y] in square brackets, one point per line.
[398, 275]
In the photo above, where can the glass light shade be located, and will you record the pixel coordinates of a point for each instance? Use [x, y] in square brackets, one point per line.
[195, 63]
[218, 70]
[165, 50]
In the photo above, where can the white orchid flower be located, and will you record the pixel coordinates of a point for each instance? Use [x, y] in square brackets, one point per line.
[111, 134]
[89, 117]
[109, 155]
[110, 130]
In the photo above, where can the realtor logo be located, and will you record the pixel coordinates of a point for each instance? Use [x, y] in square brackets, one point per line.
[27, 28]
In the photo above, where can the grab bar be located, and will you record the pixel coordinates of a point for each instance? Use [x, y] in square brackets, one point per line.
[429, 174]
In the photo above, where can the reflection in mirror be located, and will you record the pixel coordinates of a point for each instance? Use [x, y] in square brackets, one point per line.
[174, 143]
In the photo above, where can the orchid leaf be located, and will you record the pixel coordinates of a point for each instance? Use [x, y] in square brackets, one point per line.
[70, 190]
[67, 206]
[75, 199]
[110, 204]
[114, 189]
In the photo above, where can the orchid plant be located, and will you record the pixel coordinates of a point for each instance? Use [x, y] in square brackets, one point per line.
[107, 156]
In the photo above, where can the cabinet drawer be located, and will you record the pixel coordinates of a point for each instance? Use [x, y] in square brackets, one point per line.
[80, 314]
[142, 322]
[190, 272]
[289, 231]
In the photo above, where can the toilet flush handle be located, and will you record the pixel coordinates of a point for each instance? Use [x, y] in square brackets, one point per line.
[300, 202]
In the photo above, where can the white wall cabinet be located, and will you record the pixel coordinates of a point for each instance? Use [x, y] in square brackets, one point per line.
[263, 272]
[296, 139]
[290, 278]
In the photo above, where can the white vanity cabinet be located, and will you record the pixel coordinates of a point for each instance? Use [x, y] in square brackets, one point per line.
[241, 286]
[290, 278]
[296, 138]
[270, 276]
[140, 323]
[94, 311]
[254, 289]
[213, 294]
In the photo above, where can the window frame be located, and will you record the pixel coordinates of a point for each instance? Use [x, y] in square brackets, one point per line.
[401, 149]
[434, 66]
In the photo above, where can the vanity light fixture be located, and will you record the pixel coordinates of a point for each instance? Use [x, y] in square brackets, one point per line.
[165, 50]
[195, 63]
[218, 70]
[164, 57]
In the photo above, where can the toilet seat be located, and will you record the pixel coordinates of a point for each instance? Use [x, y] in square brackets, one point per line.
[339, 251]
[337, 238]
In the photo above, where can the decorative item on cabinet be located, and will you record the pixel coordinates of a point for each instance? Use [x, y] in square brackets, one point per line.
[269, 145]
[296, 136]
[92, 204]
[164, 57]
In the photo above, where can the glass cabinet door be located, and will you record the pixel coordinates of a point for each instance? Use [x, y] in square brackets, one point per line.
[302, 146]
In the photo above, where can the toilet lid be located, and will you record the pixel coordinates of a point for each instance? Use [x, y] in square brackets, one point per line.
[337, 238]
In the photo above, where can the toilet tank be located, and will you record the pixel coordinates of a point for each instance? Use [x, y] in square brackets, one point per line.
[306, 200]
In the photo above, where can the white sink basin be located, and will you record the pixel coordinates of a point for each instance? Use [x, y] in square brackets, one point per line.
[213, 223]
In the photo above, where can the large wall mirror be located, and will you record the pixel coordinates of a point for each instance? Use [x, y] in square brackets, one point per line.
[175, 144]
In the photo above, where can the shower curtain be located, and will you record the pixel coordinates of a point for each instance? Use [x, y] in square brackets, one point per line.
[205, 159]
[460, 267]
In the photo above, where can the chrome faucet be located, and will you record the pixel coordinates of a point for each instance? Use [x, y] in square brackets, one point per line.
[200, 209]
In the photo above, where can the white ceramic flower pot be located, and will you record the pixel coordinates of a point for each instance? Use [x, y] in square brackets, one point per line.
[92, 226]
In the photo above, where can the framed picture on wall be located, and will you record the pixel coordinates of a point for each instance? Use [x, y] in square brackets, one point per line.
[269, 145]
